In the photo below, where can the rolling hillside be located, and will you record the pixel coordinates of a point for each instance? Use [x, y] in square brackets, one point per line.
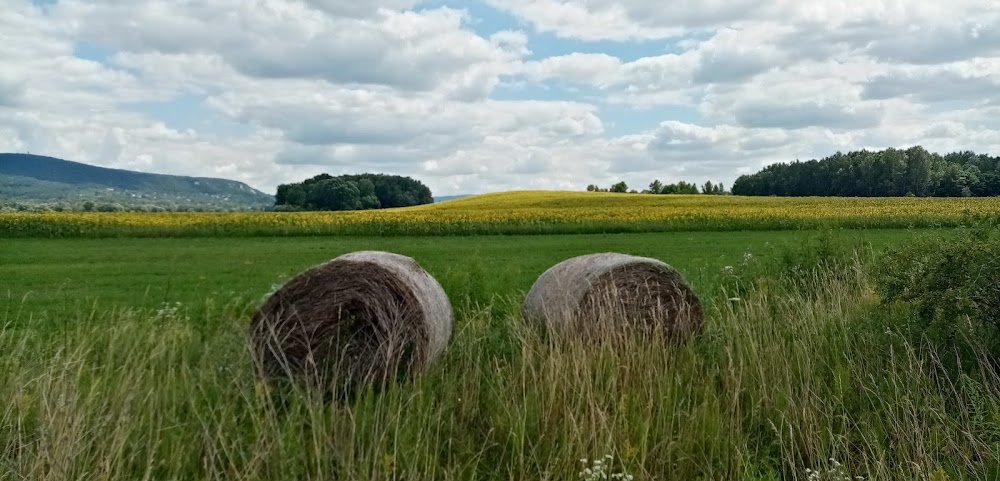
[39, 179]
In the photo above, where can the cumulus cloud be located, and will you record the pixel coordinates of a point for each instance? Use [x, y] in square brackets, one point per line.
[596, 69]
[730, 55]
[976, 85]
[628, 19]
[356, 9]
[11, 90]
[939, 44]
[807, 114]
[284, 89]
[285, 39]
[624, 20]
[702, 152]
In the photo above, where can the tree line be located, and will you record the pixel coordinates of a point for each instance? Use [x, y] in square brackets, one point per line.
[352, 192]
[886, 173]
[657, 187]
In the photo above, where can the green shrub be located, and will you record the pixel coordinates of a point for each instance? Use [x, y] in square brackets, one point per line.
[795, 267]
[949, 288]
[287, 208]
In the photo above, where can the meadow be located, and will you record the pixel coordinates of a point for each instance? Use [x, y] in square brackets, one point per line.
[51, 279]
[126, 358]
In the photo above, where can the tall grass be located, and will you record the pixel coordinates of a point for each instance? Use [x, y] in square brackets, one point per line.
[784, 380]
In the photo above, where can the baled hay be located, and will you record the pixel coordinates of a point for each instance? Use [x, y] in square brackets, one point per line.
[611, 294]
[364, 317]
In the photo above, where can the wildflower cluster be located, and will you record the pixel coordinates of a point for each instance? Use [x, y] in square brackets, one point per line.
[601, 469]
[169, 311]
[837, 472]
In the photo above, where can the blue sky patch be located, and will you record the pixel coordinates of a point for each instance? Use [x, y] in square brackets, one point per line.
[486, 20]
[543, 45]
[624, 120]
[189, 111]
[92, 51]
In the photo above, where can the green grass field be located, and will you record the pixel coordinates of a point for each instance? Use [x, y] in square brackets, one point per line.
[102, 378]
[60, 278]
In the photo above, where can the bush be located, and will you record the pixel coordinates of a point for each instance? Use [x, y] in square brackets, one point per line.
[287, 208]
[110, 207]
[794, 267]
[950, 288]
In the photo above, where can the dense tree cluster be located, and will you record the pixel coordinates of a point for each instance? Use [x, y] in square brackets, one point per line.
[657, 187]
[352, 192]
[887, 173]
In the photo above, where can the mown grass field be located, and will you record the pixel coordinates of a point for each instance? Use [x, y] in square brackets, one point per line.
[528, 212]
[126, 358]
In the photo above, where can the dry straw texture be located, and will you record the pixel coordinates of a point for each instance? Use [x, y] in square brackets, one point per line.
[364, 317]
[612, 293]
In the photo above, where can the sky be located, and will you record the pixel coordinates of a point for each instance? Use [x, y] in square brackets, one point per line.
[489, 95]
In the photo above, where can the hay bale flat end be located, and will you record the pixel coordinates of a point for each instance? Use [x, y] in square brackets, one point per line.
[612, 293]
[364, 317]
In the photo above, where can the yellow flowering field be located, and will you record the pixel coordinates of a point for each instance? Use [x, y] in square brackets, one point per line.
[526, 212]
[603, 206]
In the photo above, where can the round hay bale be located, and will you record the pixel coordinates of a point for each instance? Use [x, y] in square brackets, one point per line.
[364, 317]
[611, 294]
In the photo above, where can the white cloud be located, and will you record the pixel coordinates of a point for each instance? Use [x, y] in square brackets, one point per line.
[283, 89]
[596, 69]
[356, 9]
[581, 19]
[630, 19]
[623, 20]
[975, 81]
[11, 90]
[728, 56]
[420, 51]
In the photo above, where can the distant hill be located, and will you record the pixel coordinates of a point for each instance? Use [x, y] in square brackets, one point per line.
[39, 179]
[449, 197]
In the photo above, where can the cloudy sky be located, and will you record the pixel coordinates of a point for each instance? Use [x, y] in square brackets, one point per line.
[489, 95]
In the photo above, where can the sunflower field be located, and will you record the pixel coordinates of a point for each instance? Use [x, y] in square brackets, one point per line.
[526, 212]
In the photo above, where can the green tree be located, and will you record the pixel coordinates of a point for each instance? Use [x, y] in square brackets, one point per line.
[281, 196]
[296, 195]
[335, 194]
[369, 200]
[656, 187]
[620, 187]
